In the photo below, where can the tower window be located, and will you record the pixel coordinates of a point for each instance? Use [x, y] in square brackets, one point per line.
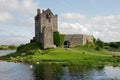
[48, 17]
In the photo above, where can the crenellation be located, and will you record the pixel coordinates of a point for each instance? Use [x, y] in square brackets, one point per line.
[38, 11]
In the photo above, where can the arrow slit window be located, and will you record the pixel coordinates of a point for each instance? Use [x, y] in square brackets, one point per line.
[48, 17]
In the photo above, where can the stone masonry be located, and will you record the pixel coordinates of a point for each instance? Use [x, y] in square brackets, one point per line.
[78, 39]
[46, 23]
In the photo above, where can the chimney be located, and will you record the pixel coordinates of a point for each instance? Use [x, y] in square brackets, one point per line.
[38, 11]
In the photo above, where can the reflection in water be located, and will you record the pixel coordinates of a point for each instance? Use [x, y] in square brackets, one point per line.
[59, 72]
[66, 75]
[47, 72]
[20, 71]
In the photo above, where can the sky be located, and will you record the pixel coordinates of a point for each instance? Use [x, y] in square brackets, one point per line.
[100, 18]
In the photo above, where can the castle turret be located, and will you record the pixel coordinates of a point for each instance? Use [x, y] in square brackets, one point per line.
[38, 11]
[45, 25]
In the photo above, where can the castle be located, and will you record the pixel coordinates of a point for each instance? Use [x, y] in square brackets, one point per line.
[46, 23]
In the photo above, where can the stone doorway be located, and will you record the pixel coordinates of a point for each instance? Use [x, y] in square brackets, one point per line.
[66, 44]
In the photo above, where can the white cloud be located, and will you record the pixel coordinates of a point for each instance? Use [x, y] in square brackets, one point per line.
[14, 11]
[73, 28]
[29, 5]
[106, 28]
[21, 6]
[73, 16]
[5, 40]
[15, 17]
[6, 17]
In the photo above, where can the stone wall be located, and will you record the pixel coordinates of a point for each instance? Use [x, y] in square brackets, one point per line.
[74, 39]
[78, 39]
[48, 26]
[87, 38]
[45, 25]
[48, 38]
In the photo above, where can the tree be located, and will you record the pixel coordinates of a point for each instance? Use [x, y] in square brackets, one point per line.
[114, 45]
[99, 44]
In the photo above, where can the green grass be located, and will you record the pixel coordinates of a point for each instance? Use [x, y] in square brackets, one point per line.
[8, 47]
[73, 56]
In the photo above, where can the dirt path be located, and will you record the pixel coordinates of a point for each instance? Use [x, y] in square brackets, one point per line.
[73, 50]
[87, 53]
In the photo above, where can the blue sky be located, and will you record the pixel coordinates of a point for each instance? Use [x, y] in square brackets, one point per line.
[87, 7]
[96, 17]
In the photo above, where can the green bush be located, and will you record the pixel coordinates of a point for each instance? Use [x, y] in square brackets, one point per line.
[99, 43]
[29, 46]
[62, 38]
[58, 38]
[90, 45]
[97, 48]
[30, 52]
[12, 47]
[20, 47]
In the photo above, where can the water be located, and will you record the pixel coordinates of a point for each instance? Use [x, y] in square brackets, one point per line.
[15, 71]
[21, 71]
[59, 72]
[5, 52]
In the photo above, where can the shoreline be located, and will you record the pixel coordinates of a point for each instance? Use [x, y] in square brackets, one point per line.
[79, 55]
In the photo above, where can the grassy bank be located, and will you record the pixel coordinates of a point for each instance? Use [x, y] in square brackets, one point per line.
[8, 47]
[80, 55]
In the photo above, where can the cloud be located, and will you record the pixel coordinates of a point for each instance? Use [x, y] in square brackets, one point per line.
[14, 37]
[73, 16]
[103, 27]
[73, 28]
[15, 17]
[107, 27]
[20, 6]
[6, 17]
[18, 39]
[14, 11]
[1, 30]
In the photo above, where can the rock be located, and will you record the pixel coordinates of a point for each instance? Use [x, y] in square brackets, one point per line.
[23, 54]
[37, 62]
[83, 52]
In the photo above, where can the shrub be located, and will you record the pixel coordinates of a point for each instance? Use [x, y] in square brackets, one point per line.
[90, 45]
[97, 48]
[58, 38]
[99, 43]
[12, 47]
[29, 46]
[20, 47]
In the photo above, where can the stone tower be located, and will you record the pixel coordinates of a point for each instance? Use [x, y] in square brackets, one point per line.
[45, 25]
